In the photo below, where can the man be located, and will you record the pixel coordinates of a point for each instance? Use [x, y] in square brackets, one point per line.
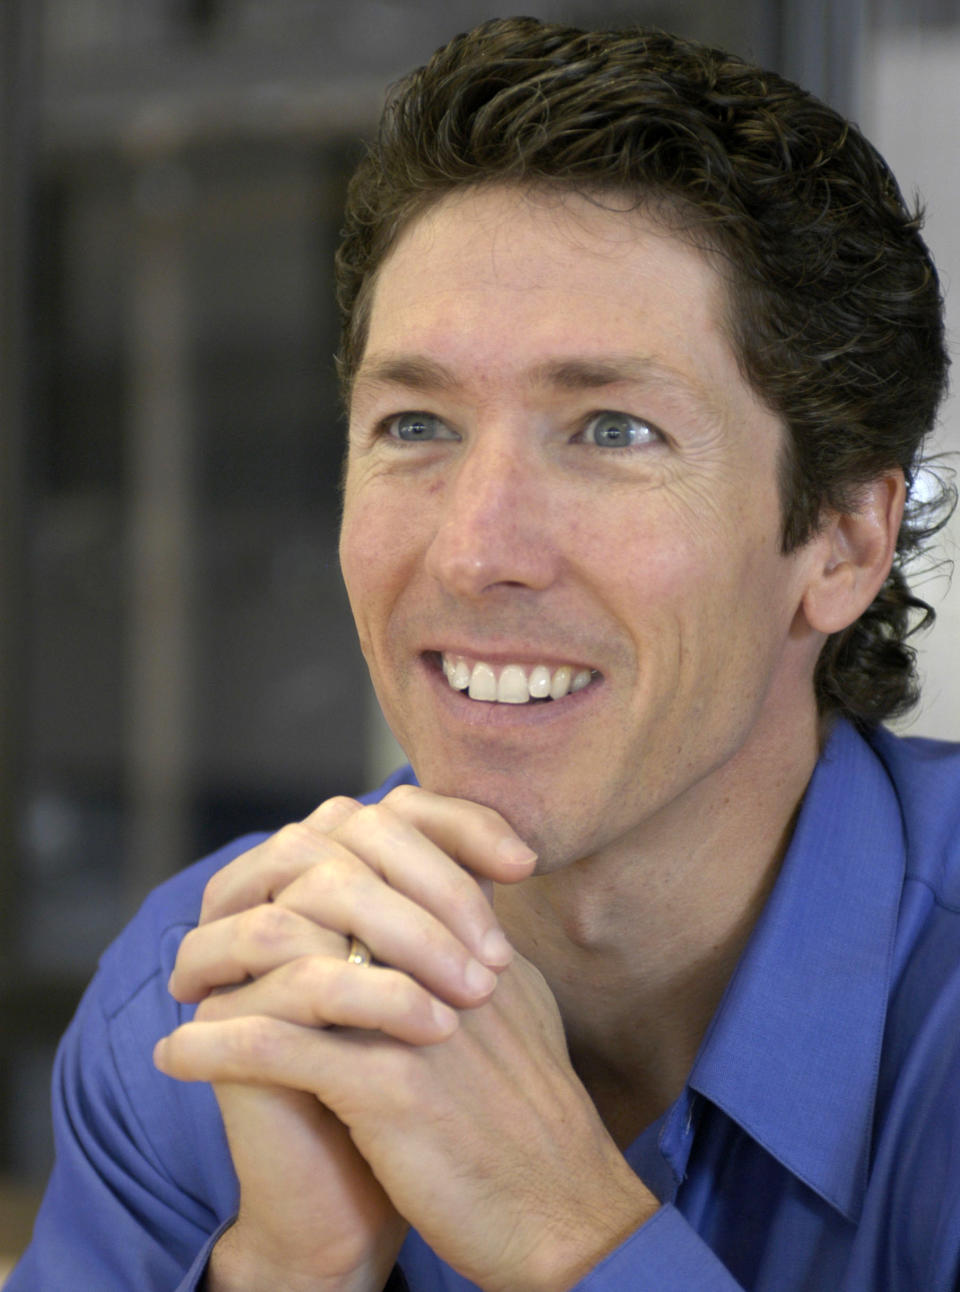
[651, 981]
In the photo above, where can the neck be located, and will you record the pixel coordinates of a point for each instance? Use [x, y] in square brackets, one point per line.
[639, 941]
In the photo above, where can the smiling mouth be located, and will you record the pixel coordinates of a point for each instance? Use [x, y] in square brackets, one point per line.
[514, 683]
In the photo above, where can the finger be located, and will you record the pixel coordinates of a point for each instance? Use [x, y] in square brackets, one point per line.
[337, 898]
[411, 864]
[246, 945]
[259, 874]
[254, 1049]
[363, 891]
[318, 992]
[475, 836]
[472, 835]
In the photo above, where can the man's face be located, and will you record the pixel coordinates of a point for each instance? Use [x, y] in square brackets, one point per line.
[557, 473]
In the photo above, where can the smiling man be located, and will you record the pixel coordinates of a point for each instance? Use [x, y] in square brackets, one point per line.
[644, 974]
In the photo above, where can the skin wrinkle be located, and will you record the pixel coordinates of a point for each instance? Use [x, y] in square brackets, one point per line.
[695, 420]
[566, 210]
[378, 375]
[691, 503]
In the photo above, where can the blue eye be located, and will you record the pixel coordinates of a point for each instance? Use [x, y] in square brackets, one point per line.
[416, 427]
[619, 431]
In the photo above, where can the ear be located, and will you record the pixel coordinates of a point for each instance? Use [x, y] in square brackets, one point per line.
[852, 554]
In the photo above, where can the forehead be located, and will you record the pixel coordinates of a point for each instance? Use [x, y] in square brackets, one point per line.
[506, 279]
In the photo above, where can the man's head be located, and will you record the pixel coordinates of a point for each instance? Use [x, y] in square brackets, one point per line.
[833, 307]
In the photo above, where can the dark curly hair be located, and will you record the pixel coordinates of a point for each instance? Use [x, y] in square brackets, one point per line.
[834, 308]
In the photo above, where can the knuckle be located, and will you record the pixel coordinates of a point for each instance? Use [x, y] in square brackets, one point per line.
[401, 995]
[252, 1040]
[264, 927]
[328, 877]
[208, 1010]
[315, 991]
[374, 816]
[337, 805]
[292, 842]
[304, 976]
[334, 995]
[461, 896]
[402, 1001]
[213, 892]
[489, 817]
[323, 820]
[187, 947]
[402, 794]
[213, 885]
[379, 821]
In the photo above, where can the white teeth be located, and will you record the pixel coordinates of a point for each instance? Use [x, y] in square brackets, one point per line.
[459, 675]
[514, 685]
[483, 683]
[560, 682]
[539, 684]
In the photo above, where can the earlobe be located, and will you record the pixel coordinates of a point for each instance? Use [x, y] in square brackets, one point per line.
[853, 553]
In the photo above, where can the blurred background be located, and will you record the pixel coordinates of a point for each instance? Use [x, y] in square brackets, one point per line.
[177, 663]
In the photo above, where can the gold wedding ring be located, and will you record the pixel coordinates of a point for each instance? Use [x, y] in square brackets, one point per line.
[358, 953]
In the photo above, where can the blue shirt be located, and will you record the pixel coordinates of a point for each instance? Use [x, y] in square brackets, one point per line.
[816, 1145]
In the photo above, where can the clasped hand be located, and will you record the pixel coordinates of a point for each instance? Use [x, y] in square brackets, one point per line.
[432, 1088]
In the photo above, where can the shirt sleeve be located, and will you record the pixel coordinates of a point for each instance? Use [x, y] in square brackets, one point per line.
[664, 1255]
[142, 1183]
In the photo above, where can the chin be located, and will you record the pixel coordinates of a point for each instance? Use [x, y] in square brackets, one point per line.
[558, 839]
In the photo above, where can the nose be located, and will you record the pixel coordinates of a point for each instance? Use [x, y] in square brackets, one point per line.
[495, 527]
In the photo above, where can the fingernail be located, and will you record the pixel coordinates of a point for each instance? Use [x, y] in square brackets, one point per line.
[445, 1018]
[495, 949]
[479, 980]
[515, 852]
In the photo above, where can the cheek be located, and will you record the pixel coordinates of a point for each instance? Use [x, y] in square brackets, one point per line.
[369, 516]
[365, 553]
[379, 546]
[705, 600]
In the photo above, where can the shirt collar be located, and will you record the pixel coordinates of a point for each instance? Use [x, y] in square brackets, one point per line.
[793, 1052]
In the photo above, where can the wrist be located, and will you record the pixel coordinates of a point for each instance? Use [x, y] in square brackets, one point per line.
[239, 1263]
[566, 1253]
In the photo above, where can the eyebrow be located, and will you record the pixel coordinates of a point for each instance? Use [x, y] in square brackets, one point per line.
[417, 372]
[591, 374]
[411, 370]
